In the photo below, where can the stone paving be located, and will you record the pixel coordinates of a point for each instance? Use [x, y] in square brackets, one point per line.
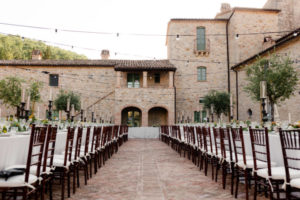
[150, 170]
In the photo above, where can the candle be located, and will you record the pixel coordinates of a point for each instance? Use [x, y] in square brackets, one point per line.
[263, 88]
[73, 111]
[212, 108]
[50, 94]
[68, 104]
[23, 95]
[28, 102]
[290, 118]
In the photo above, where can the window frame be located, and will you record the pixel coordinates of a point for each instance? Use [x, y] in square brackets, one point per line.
[131, 79]
[201, 39]
[201, 68]
[51, 80]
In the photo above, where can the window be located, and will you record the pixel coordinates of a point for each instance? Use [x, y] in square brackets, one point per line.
[200, 116]
[53, 79]
[157, 78]
[196, 116]
[133, 80]
[201, 41]
[201, 100]
[201, 72]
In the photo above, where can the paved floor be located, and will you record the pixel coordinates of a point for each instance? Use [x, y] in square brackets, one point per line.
[149, 169]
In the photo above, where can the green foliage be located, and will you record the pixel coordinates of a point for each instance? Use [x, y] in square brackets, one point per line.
[219, 100]
[14, 47]
[10, 91]
[280, 76]
[62, 99]
[34, 90]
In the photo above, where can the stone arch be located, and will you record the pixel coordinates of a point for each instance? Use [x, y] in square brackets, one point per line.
[131, 116]
[158, 115]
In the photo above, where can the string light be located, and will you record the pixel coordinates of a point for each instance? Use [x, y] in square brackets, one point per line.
[177, 37]
[237, 36]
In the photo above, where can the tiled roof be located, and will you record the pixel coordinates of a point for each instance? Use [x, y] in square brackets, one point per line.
[119, 65]
[126, 65]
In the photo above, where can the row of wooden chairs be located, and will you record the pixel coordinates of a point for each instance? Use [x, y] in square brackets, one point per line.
[224, 149]
[44, 164]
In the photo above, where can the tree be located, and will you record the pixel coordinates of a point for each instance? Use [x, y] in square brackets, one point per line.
[62, 99]
[219, 100]
[35, 94]
[10, 91]
[280, 76]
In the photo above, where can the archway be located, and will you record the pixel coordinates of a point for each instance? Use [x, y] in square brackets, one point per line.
[132, 117]
[157, 116]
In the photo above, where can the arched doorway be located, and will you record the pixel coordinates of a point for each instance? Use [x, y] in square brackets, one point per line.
[157, 116]
[132, 116]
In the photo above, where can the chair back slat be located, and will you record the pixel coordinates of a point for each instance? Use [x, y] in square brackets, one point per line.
[78, 143]
[199, 137]
[49, 147]
[290, 143]
[87, 140]
[226, 143]
[69, 145]
[260, 147]
[208, 147]
[238, 144]
[36, 147]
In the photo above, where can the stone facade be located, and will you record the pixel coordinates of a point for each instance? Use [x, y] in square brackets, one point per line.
[236, 32]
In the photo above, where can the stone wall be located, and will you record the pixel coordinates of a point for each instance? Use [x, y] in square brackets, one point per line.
[144, 99]
[188, 89]
[291, 105]
[91, 83]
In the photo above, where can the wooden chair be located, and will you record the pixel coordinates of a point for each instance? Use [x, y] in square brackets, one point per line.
[200, 145]
[240, 159]
[208, 149]
[27, 184]
[263, 170]
[62, 163]
[290, 143]
[93, 150]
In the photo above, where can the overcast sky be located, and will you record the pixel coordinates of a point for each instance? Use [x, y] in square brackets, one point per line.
[113, 16]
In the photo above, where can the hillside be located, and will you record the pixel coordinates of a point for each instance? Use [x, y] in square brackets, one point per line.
[15, 47]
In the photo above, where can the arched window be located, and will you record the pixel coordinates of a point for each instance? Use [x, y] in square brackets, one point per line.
[201, 40]
[201, 73]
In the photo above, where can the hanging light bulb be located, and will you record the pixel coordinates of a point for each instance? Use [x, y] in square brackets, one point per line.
[295, 34]
[237, 36]
[177, 37]
[118, 34]
[187, 63]
[55, 30]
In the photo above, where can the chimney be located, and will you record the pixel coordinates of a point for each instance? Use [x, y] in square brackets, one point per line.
[105, 54]
[225, 7]
[36, 55]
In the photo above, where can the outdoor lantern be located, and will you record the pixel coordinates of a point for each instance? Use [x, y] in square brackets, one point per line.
[263, 89]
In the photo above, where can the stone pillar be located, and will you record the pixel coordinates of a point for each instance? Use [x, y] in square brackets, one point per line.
[144, 118]
[171, 79]
[118, 79]
[145, 79]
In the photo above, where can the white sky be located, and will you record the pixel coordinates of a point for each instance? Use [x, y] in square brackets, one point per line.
[122, 16]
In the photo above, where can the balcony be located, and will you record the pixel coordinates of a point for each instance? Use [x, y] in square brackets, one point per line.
[202, 52]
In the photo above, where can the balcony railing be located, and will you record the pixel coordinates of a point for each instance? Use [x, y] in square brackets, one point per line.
[202, 52]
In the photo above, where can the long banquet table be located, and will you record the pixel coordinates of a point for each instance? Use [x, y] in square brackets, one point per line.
[14, 148]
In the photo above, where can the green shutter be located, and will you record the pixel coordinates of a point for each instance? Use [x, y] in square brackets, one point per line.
[203, 115]
[201, 39]
[196, 116]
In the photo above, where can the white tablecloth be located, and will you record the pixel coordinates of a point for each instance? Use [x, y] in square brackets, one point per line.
[14, 149]
[143, 132]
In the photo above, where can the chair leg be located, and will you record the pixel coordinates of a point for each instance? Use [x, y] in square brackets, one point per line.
[237, 183]
[69, 184]
[246, 183]
[63, 185]
[74, 179]
[224, 174]
[77, 174]
[255, 186]
[91, 167]
[50, 189]
[232, 177]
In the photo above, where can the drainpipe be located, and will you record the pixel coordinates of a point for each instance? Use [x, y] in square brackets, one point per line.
[175, 120]
[228, 59]
[237, 93]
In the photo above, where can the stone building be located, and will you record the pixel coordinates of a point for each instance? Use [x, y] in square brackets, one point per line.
[203, 55]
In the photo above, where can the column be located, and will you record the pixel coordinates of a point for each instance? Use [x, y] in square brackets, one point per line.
[171, 79]
[118, 79]
[145, 79]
